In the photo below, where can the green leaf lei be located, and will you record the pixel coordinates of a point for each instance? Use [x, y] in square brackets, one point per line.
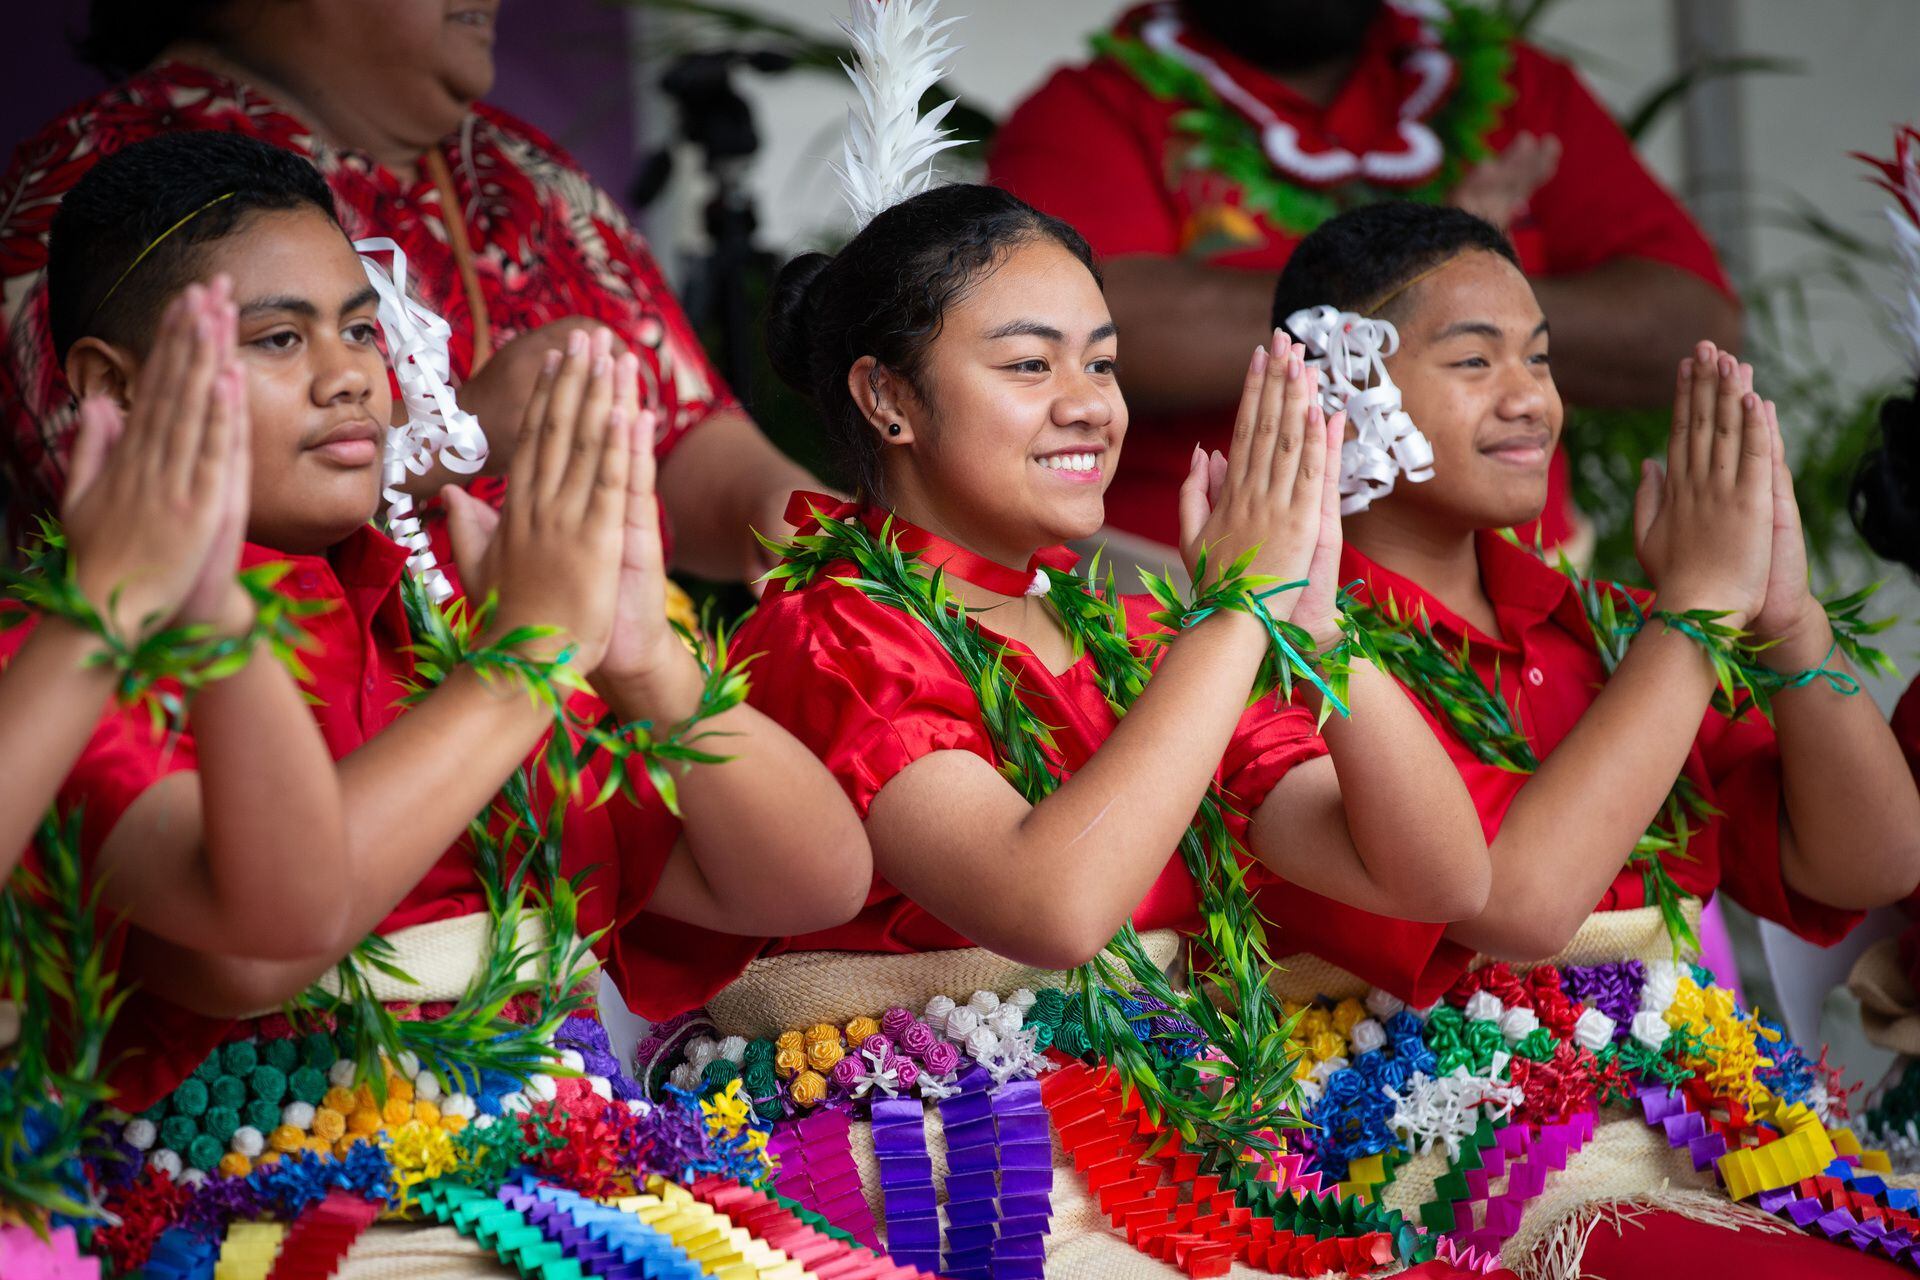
[1232, 1105]
[1225, 142]
[53, 970]
[1447, 684]
[190, 657]
[517, 854]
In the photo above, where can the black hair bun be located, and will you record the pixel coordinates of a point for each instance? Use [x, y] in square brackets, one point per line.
[1885, 502]
[791, 308]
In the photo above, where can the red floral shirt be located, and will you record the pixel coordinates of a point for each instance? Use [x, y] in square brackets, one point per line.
[547, 243]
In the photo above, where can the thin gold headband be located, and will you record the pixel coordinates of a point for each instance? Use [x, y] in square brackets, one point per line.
[1395, 292]
[157, 242]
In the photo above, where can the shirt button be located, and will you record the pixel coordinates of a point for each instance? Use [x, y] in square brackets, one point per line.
[1536, 677]
[307, 579]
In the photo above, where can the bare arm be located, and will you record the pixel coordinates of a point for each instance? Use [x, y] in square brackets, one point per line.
[1851, 837]
[770, 845]
[1570, 828]
[183, 467]
[954, 836]
[49, 704]
[1383, 823]
[405, 797]
[1703, 536]
[1619, 329]
[1341, 826]
[722, 481]
[411, 791]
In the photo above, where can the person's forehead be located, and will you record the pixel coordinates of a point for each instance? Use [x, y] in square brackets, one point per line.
[1044, 282]
[1477, 286]
[286, 252]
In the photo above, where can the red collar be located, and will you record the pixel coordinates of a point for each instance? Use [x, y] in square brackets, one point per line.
[804, 510]
[1523, 589]
[364, 558]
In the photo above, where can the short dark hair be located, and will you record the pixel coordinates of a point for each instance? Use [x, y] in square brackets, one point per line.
[125, 206]
[1885, 500]
[1360, 257]
[886, 294]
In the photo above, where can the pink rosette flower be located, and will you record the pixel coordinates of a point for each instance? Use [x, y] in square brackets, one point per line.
[896, 1020]
[917, 1038]
[942, 1058]
[907, 1074]
[847, 1072]
[879, 1046]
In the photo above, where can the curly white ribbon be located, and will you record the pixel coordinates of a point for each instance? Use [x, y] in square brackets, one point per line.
[1351, 351]
[437, 428]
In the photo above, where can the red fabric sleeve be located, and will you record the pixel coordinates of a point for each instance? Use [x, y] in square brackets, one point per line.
[864, 686]
[1411, 959]
[869, 692]
[1083, 149]
[1602, 203]
[1743, 760]
[125, 756]
[1270, 739]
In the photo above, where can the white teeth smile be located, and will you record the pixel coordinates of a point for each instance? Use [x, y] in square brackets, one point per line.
[1071, 462]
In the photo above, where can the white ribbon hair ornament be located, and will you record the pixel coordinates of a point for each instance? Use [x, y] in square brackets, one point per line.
[1351, 351]
[437, 428]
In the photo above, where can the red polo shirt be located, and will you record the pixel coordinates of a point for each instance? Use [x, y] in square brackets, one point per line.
[358, 661]
[870, 690]
[1095, 147]
[1550, 674]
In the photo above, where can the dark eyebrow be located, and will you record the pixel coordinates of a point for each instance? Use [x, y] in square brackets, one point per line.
[280, 302]
[1104, 331]
[365, 297]
[1538, 329]
[1461, 328]
[1027, 329]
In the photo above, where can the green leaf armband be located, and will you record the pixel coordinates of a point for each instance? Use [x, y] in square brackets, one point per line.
[1745, 681]
[187, 657]
[1291, 652]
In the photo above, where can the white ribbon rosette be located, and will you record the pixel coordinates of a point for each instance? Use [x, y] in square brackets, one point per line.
[1351, 351]
[437, 428]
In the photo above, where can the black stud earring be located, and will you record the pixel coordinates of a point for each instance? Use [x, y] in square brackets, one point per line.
[893, 428]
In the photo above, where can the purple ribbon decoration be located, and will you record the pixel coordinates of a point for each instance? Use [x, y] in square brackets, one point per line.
[1026, 1181]
[973, 1167]
[906, 1182]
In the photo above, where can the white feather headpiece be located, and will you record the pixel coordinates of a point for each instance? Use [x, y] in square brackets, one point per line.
[899, 52]
[1351, 351]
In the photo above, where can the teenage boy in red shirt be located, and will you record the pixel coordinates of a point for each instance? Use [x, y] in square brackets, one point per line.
[1816, 818]
[764, 842]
